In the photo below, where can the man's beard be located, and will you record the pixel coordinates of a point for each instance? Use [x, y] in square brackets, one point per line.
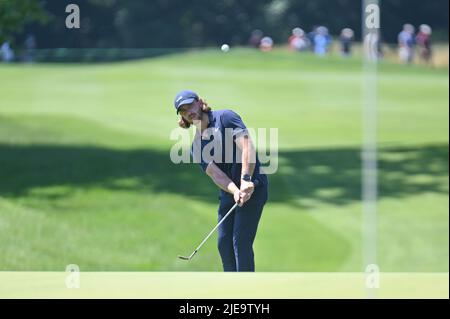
[196, 118]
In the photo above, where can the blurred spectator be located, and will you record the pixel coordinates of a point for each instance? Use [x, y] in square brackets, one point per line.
[322, 41]
[30, 47]
[423, 40]
[298, 41]
[346, 39]
[255, 38]
[311, 36]
[266, 44]
[406, 44]
[6, 52]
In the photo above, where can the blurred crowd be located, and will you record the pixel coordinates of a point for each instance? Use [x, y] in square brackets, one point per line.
[8, 55]
[319, 41]
[408, 40]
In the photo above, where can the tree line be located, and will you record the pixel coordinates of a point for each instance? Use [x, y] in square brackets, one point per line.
[198, 23]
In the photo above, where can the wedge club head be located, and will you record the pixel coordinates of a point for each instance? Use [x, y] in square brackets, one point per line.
[187, 258]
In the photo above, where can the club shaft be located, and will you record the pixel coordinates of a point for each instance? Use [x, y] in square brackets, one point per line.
[214, 229]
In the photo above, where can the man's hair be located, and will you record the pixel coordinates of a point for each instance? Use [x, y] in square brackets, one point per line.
[185, 124]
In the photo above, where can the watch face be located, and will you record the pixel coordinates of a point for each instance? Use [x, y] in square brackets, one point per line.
[247, 178]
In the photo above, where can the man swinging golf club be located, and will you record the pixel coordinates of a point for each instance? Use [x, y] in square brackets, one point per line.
[232, 163]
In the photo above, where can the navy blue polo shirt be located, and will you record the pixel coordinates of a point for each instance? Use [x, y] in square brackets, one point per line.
[218, 145]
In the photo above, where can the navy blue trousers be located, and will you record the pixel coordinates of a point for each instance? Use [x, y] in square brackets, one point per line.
[238, 231]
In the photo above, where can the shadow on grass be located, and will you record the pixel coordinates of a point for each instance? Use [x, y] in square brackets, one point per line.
[329, 175]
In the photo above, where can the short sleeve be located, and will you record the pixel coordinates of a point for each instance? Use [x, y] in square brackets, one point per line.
[232, 120]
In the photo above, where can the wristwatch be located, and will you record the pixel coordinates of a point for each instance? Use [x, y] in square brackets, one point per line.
[246, 177]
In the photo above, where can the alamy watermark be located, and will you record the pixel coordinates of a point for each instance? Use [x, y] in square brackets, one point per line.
[371, 27]
[371, 32]
[216, 147]
[72, 280]
[372, 276]
[73, 19]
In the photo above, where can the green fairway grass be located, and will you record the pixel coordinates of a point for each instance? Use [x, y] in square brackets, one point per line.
[86, 178]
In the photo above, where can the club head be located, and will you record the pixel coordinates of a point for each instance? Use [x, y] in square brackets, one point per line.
[188, 258]
[184, 257]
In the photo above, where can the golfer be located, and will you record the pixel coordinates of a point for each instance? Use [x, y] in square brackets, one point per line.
[235, 169]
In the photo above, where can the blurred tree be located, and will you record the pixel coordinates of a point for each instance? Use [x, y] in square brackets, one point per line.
[180, 23]
[16, 14]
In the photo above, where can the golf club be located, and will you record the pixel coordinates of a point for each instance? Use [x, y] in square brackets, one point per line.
[212, 231]
[256, 184]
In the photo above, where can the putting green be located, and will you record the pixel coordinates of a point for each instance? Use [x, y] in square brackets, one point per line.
[206, 285]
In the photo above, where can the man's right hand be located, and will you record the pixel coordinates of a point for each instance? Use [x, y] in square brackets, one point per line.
[238, 197]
